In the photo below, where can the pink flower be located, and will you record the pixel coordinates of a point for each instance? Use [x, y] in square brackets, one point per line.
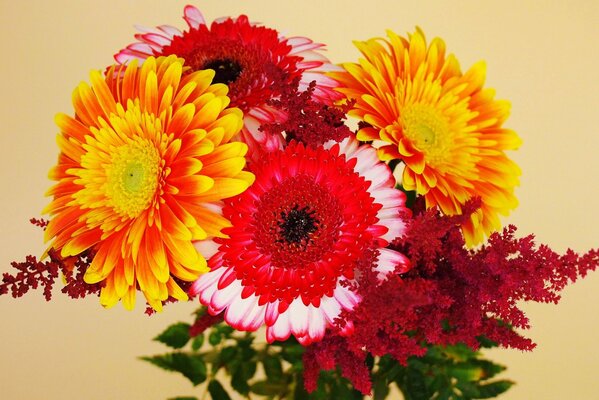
[297, 236]
[256, 62]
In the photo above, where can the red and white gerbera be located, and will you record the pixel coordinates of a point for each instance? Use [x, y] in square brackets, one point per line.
[254, 61]
[297, 236]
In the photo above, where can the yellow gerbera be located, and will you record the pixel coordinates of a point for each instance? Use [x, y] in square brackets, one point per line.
[142, 168]
[443, 124]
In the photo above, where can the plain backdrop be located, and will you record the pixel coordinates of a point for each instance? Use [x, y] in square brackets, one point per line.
[541, 55]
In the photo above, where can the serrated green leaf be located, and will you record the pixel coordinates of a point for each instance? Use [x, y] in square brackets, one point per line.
[415, 385]
[490, 368]
[299, 393]
[494, 389]
[485, 342]
[184, 398]
[292, 353]
[227, 354]
[240, 378]
[197, 342]
[380, 389]
[466, 372]
[190, 366]
[268, 388]
[214, 338]
[217, 392]
[273, 368]
[469, 389]
[175, 336]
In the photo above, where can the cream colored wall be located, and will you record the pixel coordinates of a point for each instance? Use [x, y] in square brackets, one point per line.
[541, 55]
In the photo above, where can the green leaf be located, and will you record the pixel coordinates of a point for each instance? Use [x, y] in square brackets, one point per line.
[184, 398]
[175, 336]
[197, 342]
[268, 388]
[380, 389]
[190, 366]
[214, 338]
[490, 368]
[485, 342]
[240, 378]
[273, 368]
[494, 389]
[227, 354]
[292, 353]
[416, 386]
[217, 392]
[466, 372]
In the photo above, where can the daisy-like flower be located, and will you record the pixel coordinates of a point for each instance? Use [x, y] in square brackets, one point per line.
[254, 61]
[443, 124]
[297, 235]
[143, 165]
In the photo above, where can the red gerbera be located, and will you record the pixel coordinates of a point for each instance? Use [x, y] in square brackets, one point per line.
[298, 234]
[254, 61]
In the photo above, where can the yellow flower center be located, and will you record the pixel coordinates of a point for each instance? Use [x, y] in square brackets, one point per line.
[132, 177]
[428, 130]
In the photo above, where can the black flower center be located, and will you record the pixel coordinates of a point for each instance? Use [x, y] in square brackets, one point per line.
[227, 70]
[297, 224]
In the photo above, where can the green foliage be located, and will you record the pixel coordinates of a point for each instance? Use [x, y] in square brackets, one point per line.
[192, 366]
[451, 373]
[175, 336]
[275, 372]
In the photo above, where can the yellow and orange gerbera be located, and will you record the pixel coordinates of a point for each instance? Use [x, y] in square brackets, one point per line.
[440, 122]
[143, 166]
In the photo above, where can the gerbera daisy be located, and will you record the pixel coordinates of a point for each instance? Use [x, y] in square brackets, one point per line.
[142, 167]
[442, 124]
[297, 235]
[254, 61]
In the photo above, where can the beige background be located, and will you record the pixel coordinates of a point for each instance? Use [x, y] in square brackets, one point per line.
[541, 55]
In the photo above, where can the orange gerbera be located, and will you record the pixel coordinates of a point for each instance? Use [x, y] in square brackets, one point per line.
[442, 124]
[143, 166]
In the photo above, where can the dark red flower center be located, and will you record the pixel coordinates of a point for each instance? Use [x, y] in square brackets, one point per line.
[250, 59]
[300, 227]
[227, 70]
[297, 224]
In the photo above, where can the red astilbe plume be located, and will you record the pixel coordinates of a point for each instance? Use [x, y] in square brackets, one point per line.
[33, 273]
[333, 351]
[456, 295]
[308, 121]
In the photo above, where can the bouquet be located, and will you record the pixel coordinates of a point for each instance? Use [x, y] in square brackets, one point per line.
[339, 225]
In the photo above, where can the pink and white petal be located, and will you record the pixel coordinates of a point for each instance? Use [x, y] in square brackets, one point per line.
[347, 329]
[346, 298]
[206, 285]
[193, 17]
[330, 308]
[281, 330]
[245, 314]
[272, 313]
[390, 261]
[299, 317]
[317, 325]
[222, 298]
[170, 31]
[126, 56]
[157, 39]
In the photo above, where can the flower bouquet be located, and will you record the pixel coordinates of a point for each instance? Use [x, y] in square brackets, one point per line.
[338, 225]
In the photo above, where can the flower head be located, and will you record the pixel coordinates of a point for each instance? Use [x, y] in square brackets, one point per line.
[442, 123]
[298, 233]
[143, 165]
[254, 61]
